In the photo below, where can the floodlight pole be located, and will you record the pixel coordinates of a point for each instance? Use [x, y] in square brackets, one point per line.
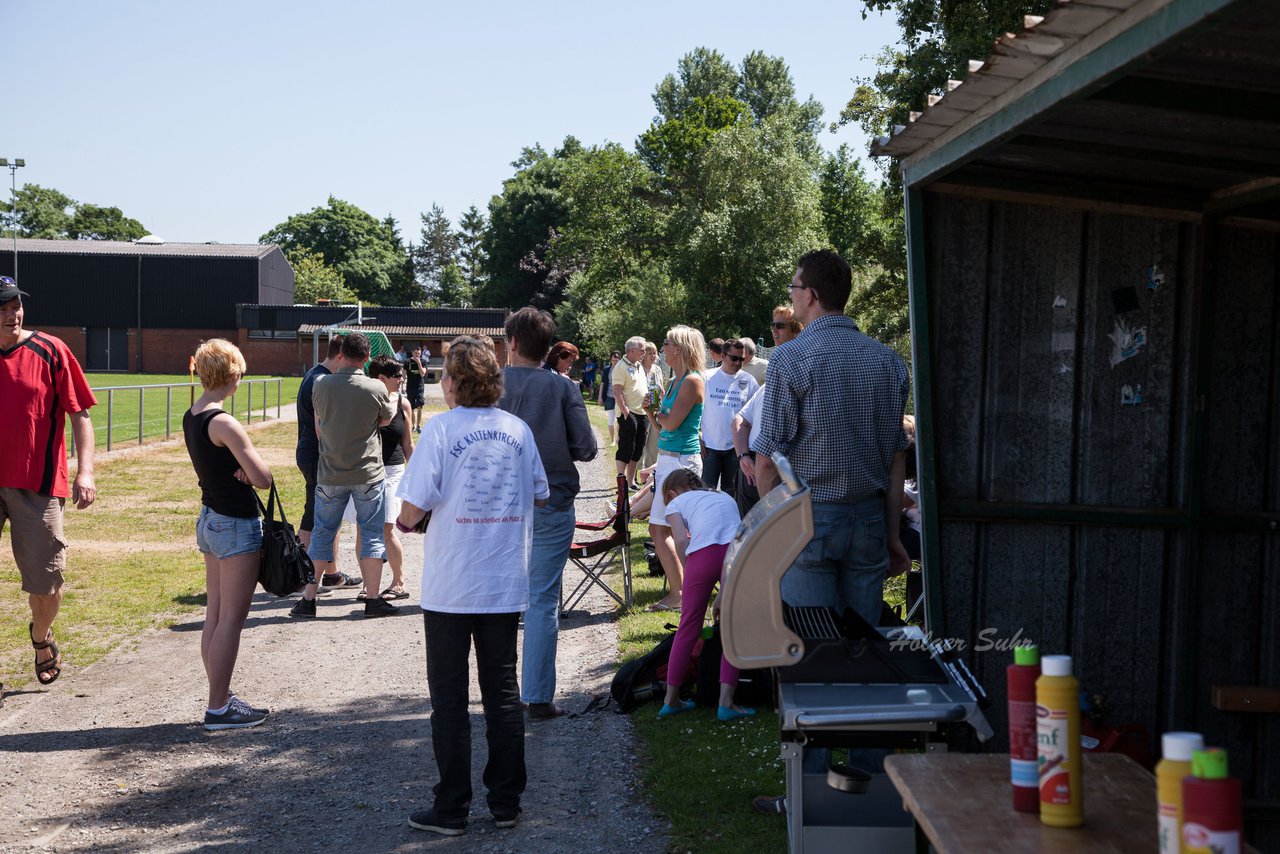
[14, 165]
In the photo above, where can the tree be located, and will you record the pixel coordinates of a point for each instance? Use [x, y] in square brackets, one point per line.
[39, 212]
[91, 222]
[671, 148]
[522, 223]
[613, 225]
[735, 243]
[365, 251]
[939, 37]
[453, 288]
[471, 256]
[314, 280]
[438, 250]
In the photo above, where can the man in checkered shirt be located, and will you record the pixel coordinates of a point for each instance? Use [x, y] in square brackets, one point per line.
[833, 405]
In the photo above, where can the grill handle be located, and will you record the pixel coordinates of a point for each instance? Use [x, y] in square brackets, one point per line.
[885, 716]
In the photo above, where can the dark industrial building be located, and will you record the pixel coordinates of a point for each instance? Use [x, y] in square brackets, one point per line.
[1094, 251]
[142, 306]
[145, 306]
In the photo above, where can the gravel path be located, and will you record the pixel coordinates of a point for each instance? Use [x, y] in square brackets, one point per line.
[112, 757]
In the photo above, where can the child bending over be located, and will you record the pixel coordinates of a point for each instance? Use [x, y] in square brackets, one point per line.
[703, 524]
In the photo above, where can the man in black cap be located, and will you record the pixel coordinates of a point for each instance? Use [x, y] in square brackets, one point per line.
[40, 384]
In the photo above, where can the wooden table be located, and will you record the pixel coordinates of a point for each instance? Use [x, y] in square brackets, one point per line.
[962, 803]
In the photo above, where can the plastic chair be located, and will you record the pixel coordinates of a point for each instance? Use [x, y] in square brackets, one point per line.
[597, 556]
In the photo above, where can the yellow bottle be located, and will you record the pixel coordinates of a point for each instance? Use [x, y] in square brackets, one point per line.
[1176, 749]
[1058, 743]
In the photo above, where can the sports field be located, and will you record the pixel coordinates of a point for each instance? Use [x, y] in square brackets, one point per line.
[137, 415]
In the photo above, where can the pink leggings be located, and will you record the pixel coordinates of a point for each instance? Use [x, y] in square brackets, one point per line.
[701, 573]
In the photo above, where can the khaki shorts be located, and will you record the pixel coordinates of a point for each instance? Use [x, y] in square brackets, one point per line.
[39, 547]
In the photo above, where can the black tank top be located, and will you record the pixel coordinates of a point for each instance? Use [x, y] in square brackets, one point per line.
[392, 437]
[214, 466]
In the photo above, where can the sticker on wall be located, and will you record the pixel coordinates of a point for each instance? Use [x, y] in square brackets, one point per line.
[1129, 396]
[1126, 342]
[1155, 277]
[1059, 301]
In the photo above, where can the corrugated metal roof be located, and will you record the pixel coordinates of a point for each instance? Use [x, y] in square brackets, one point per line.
[1023, 58]
[423, 331]
[125, 247]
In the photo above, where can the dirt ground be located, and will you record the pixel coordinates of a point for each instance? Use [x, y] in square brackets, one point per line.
[113, 757]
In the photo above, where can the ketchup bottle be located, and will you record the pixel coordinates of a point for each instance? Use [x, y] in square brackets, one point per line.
[1023, 769]
[1212, 817]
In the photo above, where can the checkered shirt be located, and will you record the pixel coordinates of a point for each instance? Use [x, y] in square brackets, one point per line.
[833, 404]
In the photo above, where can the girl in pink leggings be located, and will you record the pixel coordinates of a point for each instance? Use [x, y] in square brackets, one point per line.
[702, 523]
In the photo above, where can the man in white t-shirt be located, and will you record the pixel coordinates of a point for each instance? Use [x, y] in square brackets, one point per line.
[728, 390]
[477, 470]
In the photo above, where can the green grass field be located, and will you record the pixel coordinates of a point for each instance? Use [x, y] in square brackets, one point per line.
[138, 415]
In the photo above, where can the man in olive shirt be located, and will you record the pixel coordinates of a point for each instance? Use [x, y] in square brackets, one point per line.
[349, 409]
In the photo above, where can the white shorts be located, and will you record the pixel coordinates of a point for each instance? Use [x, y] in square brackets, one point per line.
[666, 465]
[390, 504]
[613, 417]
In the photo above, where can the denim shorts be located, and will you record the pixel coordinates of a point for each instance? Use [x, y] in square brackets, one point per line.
[227, 536]
[331, 501]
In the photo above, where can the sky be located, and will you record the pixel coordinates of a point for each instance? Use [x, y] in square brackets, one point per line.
[218, 121]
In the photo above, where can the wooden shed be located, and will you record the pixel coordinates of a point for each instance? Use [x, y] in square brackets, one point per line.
[1093, 221]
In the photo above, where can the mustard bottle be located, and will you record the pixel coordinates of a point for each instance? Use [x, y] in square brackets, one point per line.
[1176, 749]
[1058, 743]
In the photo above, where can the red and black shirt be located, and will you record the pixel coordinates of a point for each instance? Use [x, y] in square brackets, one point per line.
[40, 382]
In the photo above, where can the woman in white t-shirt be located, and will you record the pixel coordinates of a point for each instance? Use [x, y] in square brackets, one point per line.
[703, 523]
[478, 472]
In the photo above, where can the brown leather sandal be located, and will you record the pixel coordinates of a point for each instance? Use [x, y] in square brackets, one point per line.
[53, 665]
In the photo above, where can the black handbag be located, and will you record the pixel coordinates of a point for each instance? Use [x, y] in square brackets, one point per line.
[286, 567]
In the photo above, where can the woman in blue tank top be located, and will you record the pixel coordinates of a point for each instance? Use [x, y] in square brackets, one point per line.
[680, 417]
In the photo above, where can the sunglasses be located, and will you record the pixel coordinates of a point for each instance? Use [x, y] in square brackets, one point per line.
[734, 359]
[780, 324]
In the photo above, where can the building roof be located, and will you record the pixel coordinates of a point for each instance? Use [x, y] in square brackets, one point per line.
[495, 332]
[1167, 104]
[126, 247]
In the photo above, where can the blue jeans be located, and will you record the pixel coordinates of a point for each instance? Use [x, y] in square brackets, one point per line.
[331, 501]
[227, 536]
[552, 537]
[448, 640]
[844, 564]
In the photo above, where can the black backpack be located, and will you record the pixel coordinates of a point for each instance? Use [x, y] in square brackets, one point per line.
[643, 679]
[755, 687]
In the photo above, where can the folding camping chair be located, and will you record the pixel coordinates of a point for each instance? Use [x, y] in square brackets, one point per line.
[597, 556]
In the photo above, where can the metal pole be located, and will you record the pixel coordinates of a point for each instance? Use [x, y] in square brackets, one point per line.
[111, 396]
[13, 190]
[168, 411]
[248, 415]
[279, 394]
[142, 407]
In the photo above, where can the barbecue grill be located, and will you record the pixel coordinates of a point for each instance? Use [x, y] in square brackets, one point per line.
[842, 684]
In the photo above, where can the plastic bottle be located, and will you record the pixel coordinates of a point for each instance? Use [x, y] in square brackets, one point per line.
[1176, 749]
[1212, 817]
[1023, 776]
[1058, 744]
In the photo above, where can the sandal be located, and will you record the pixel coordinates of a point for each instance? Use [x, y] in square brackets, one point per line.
[394, 592]
[53, 665]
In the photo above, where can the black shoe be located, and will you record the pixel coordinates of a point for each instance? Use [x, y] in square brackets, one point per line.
[233, 697]
[336, 580]
[238, 715]
[545, 711]
[304, 608]
[379, 608]
[505, 820]
[427, 820]
[770, 804]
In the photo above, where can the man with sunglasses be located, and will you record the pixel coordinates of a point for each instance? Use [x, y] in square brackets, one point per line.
[728, 390]
[41, 383]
